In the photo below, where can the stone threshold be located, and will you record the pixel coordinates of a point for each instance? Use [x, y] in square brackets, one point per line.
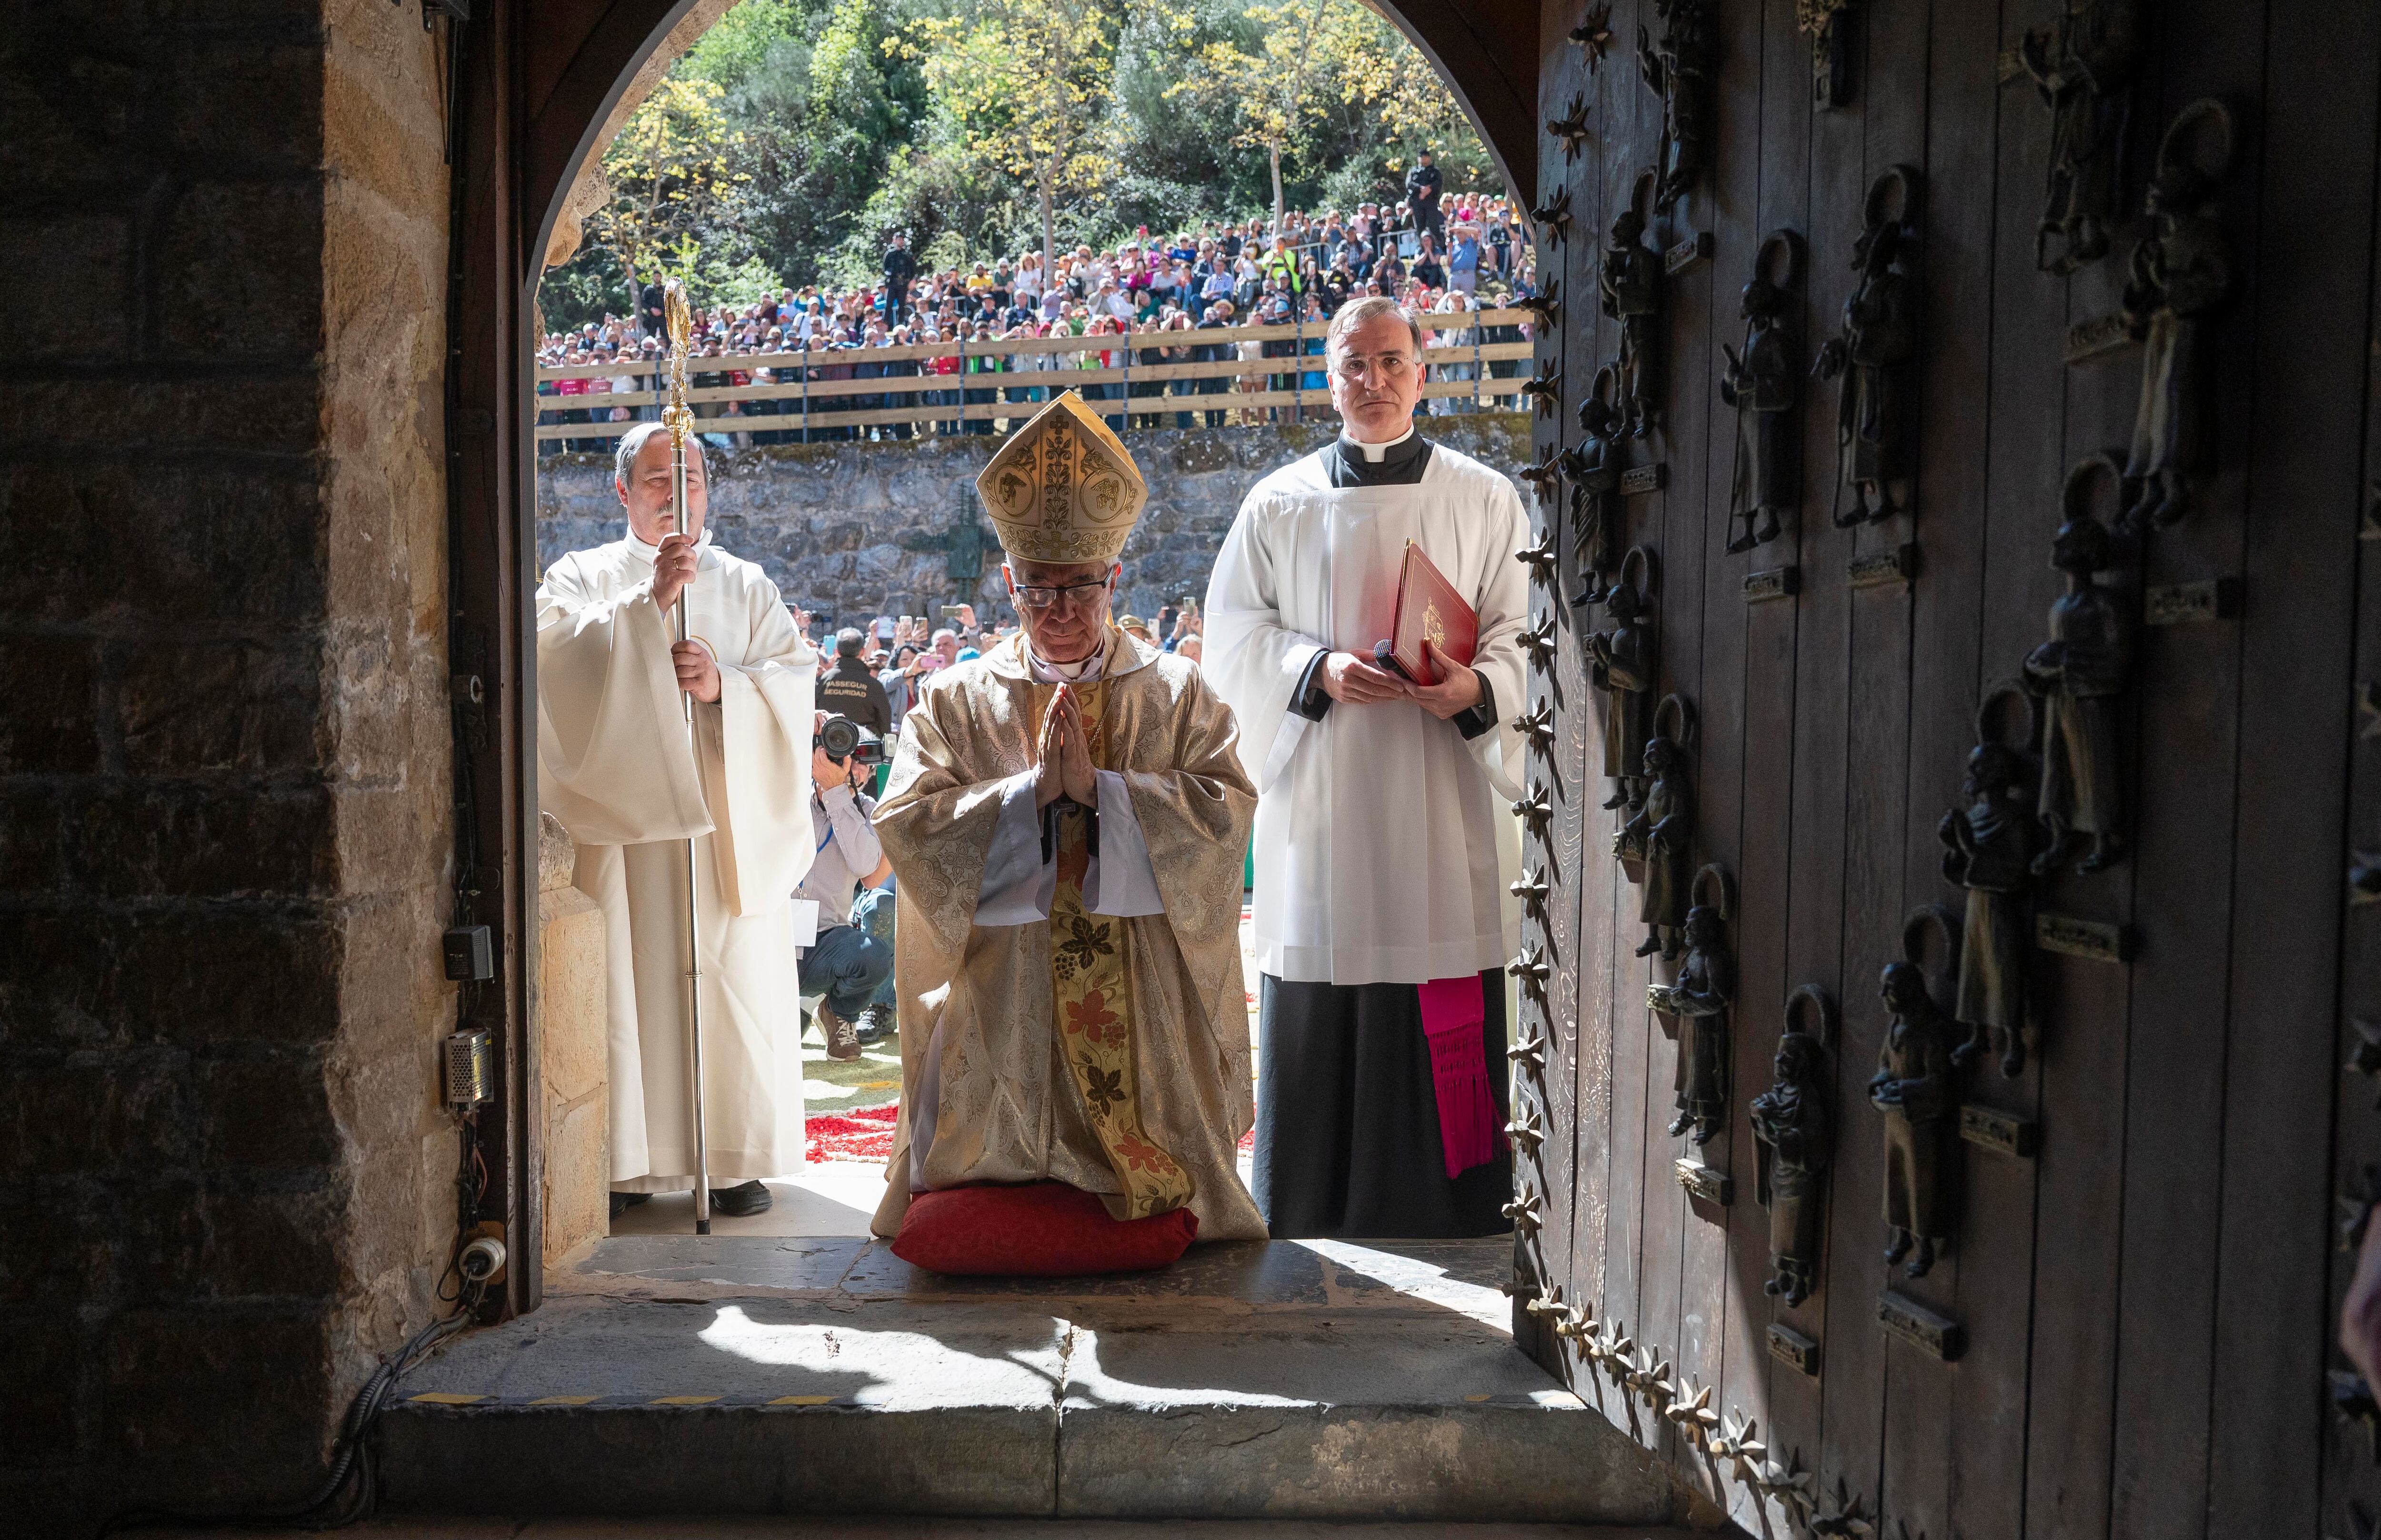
[1325, 1381]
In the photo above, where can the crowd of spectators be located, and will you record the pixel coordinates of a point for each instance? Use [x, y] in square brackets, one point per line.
[899, 652]
[1141, 304]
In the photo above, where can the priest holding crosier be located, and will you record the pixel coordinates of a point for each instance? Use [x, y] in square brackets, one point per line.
[1383, 854]
[620, 766]
[1072, 1027]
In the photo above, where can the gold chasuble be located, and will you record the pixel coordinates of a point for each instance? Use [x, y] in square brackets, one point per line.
[1107, 1052]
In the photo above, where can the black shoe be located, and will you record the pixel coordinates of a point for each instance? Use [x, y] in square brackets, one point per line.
[875, 1024]
[741, 1202]
[623, 1202]
[841, 1038]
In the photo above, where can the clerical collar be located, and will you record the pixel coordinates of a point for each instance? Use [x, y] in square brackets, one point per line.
[1399, 462]
[638, 547]
[1373, 453]
[1084, 672]
[1087, 671]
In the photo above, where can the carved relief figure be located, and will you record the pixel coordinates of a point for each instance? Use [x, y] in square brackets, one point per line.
[2084, 67]
[2079, 673]
[1989, 848]
[1624, 666]
[1680, 67]
[1661, 829]
[1828, 24]
[1764, 386]
[1796, 1140]
[1594, 465]
[1630, 280]
[1873, 355]
[2180, 273]
[1915, 1087]
[1698, 998]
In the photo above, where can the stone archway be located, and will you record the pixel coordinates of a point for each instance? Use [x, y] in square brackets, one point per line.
[541, 90]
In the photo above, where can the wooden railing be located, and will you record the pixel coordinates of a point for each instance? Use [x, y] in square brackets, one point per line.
[806, 404]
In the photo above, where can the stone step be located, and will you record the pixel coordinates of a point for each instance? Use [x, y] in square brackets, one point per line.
[668, 1376]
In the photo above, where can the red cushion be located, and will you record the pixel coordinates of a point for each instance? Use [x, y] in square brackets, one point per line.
[1040, 1230]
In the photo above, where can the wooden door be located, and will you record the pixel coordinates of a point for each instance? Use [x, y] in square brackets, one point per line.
[2130, 1330]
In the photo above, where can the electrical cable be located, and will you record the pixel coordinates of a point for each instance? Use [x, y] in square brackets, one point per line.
[352, 1458]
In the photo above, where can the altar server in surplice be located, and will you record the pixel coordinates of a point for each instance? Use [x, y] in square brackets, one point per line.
[618, 765]
[1067, 819]
[1383, 846]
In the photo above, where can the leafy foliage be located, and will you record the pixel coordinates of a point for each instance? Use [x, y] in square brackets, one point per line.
[797, 134]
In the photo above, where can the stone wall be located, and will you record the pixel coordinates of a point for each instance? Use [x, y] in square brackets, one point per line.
[574, 1063]
[224, 765]
[828, 521]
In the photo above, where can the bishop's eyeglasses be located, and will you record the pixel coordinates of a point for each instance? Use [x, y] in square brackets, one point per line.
[1036, 596]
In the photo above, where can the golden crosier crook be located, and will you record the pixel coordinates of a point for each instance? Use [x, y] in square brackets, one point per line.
[676, 419]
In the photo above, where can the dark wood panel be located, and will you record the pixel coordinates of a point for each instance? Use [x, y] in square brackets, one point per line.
[1818, 934]
[2312, 336]
[1768, 969]
[2101, 1371]
[1627, 146]
[2086, 1010]
[1588, 985]
[1552, 1090]
[2189, 745]
[1945, 666]
[1677, 523]
[2350, 1475]
[1722, 1309]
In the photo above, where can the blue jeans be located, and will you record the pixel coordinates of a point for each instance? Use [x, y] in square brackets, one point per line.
[872, 913]
[846, 965]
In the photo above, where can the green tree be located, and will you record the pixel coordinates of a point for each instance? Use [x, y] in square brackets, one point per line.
[672, 168]
[1275, 92]
[1028, 82]
[1321, 80]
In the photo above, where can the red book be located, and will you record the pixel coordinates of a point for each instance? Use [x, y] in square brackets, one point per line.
[1428, 609]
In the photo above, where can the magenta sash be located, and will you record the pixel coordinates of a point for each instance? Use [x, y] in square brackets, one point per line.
[1452, 1013]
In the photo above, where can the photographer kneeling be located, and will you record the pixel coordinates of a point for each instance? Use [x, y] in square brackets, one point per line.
[845, 963]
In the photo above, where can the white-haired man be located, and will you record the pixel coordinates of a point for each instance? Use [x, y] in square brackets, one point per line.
[619, 765]
[1382, 921]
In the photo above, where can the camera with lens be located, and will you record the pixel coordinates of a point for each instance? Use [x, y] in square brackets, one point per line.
[843, 740]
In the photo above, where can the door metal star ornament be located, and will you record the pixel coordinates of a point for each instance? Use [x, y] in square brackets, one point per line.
[1846, 1516]
[1690, 1409]
[1594, 35]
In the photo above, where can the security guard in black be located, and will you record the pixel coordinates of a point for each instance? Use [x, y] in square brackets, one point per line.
[849, 689]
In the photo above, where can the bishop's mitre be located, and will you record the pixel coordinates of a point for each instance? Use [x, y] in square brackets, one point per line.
[1063, 488]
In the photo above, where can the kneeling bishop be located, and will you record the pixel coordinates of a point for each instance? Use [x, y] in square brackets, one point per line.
[1064, 1017]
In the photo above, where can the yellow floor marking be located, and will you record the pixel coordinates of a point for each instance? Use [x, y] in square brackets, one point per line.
[1477, 1398]
[684, 1401]
[564, 1400]
[445, 1397]
[803, 1400]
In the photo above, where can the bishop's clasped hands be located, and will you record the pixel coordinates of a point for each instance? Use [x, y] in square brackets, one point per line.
[1062, 754]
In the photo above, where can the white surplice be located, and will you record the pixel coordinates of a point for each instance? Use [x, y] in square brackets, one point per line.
[1383, 854]
[618, 765]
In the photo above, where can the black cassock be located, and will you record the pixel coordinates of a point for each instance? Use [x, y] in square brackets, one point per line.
[1347, 1135]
